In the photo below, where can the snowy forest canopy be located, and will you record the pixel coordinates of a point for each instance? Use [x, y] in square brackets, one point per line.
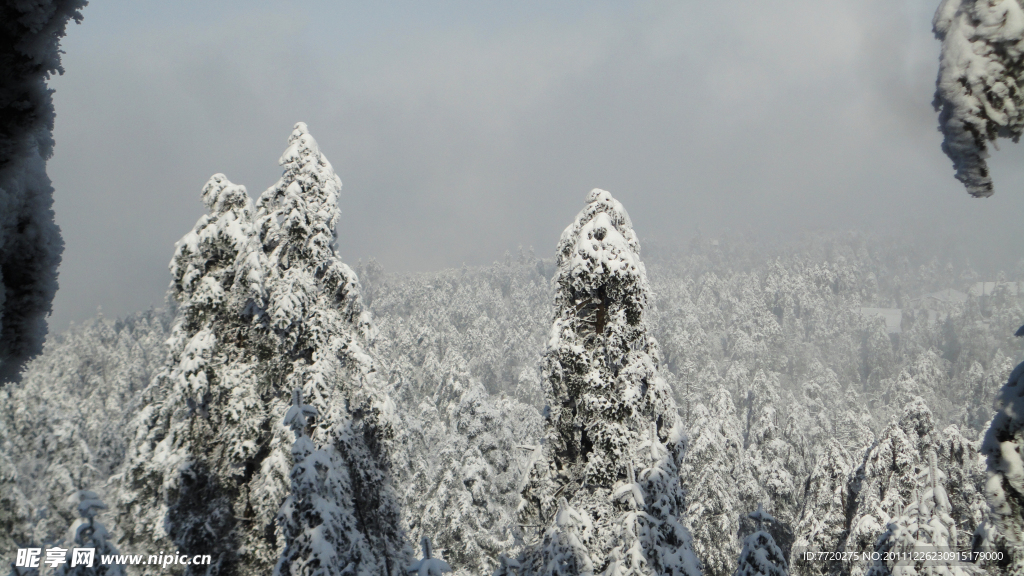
[728, 407]
[286, 412]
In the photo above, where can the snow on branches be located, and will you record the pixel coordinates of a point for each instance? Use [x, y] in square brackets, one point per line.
[760, 555]
[1002, 447]
[608, 408]
[428, 565]
[978, 89]
[268, 312]
[30, 241]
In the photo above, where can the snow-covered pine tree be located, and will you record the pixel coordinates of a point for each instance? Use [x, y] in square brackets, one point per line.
[1002, 447]
[714, 473]
[771, 458]
[325, 334]
[924, 526]
[202, 437]
[822, 521]
[266, 306]
[428, 565]
[462, 484]
[604, 393]
[940, 529]
[89, 533]
[565, 549]
[978, 89]
[883, 483]
[666, 542]
[66, 419]
[760, 555]
[899, 538]
[317, 520]
[892, 470]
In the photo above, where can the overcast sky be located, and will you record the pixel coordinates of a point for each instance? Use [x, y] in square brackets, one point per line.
[464, 129]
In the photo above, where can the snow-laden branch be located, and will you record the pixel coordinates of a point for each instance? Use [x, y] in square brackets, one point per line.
[978, 90]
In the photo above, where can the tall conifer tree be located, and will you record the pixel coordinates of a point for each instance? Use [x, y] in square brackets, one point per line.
[602, 485]
[267, 307]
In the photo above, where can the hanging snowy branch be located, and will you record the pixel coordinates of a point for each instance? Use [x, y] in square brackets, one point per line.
[978, 90]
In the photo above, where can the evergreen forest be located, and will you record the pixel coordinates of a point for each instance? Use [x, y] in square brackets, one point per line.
[812, 406]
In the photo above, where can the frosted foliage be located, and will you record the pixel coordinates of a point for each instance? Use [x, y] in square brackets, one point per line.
[1004, 489]
[760, 555]
[713, 473]
[30, 241]
[318, 518]
[665, 540]
[15, 509]
[266, 308]
[724, 313]
[564, 550]
[489, 323]
[774, 450]
[88, 532]
[63, 426]
[887, 480]
[774, 371]
[600, 364]
[924, 525]
[822, 520]
[914, 467]
[466, 462]
[612, 441]
[978, 88]
[428, 565]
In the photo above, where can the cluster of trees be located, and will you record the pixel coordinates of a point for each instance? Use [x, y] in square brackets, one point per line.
[719, 409]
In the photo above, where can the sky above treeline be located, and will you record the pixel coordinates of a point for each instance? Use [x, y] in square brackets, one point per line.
[464, 129]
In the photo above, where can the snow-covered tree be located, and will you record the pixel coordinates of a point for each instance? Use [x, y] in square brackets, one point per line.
[15, 509]
[1002, 448]
[760, 555]
[266, 307]
[910, 461]
[604, 393]
[64, 423]
[428, 565]
[565, 549]
[822, 521]
[665, 540]
[979, 88]
[466, 465]
[30, 241]
[963, 470]
[886, 479]
[715, 476]
[317, 519]
[205, 432]
[485, 323]
[773, 453]
[89, 533]
[923, 526]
